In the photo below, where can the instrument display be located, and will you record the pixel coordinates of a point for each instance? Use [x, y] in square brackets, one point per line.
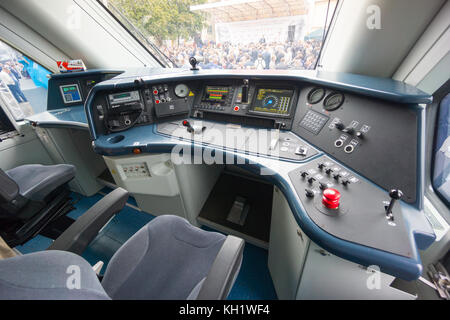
[181, 90]
[71, 93]
[273, 101]
[333, 101]
[123, 97]
[218, 94]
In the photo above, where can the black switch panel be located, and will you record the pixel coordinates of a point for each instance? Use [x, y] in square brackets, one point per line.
[376, 138]
[361, 215]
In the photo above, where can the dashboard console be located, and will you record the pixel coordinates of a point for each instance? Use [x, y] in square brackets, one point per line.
[357, 130]
[348, 146]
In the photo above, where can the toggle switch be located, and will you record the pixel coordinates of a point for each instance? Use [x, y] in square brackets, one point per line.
[309, 193]
[311, 180]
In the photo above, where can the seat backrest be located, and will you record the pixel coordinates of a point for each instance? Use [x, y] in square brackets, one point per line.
[8, 188]
[49, 275]
[166, 259]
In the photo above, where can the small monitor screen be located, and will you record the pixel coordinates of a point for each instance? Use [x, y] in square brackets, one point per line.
[273, 101]
[216, 93]
[70, 93]
[123, 97]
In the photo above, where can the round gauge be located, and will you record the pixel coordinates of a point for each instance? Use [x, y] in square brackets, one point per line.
[315, 95]
[270, 101]
[181, 90]
[333, 101]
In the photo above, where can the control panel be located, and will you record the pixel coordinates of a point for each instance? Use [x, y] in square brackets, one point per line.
[273, 143]
[72, 89]
[135, 170]
[347, 206]
[365, 134]
[172, 99]
[122, 109]
[246, 101]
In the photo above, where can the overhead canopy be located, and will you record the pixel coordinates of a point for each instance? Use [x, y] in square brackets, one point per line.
[243, 10]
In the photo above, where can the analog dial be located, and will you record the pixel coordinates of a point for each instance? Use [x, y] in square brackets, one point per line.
[333, 101]
[181, 90]
[315, 95]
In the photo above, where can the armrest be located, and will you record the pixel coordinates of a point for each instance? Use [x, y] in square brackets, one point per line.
[224, 270]
[78, 236]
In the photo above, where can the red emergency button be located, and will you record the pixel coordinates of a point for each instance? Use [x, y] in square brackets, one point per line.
[157, 101]
[330, 198]
[236, 108]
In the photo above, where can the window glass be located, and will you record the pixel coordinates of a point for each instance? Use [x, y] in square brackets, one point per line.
[441, 175]
[23, 83]
[231, 34]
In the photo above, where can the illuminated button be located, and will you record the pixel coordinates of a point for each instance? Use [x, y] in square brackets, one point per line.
[157, 101]
[236, 108]
[136, 151]
[155, 91]
[330, 198]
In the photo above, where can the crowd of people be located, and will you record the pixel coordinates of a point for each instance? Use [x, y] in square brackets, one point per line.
[10, 74]
[298, 55]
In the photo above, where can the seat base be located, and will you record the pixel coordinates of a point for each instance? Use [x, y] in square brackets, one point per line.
[16, 232]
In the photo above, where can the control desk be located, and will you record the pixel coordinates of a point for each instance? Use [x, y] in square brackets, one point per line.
[346, 150]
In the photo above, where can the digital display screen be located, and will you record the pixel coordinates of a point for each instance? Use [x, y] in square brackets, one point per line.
[273, 101]
[216, 93]
[70, 93]
[123, 97]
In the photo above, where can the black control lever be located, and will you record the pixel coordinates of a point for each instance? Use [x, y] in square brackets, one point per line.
[244, 98]
[188, 126]
[395, 195]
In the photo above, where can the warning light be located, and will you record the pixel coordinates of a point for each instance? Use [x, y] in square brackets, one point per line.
[137, 151]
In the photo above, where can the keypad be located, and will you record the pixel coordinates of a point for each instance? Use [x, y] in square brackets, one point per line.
[314, 121]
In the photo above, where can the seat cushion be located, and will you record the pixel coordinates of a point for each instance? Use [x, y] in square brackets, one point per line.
[36, 181]
[49, 275]
[166, 259]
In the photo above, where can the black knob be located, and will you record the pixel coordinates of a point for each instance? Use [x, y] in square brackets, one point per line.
[309, 193]
[340, 126]
[336, 176]
[345, 182]
[395, 195]
[329, 171]
[304, 174]
[321, 166]
[322, 186]
[311, 180]
[349, 130]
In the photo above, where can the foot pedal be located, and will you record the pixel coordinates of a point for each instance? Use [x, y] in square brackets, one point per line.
[239, 211]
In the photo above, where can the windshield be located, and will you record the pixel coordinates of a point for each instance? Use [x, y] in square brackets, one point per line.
[229, 34]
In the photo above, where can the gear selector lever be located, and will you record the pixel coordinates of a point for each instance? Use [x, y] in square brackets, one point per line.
[395, 195]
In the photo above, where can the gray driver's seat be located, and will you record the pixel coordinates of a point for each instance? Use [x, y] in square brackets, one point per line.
[166, 259]
[32, 197]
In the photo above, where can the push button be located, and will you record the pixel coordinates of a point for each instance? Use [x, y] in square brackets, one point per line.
[330, 198]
